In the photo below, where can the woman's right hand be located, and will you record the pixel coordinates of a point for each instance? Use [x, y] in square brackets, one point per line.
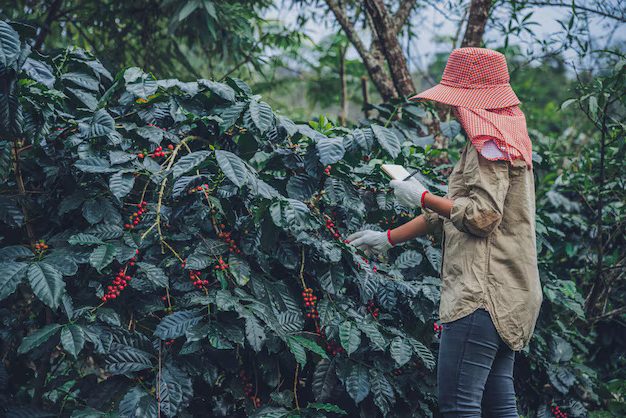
[370, 242]
[408, 193]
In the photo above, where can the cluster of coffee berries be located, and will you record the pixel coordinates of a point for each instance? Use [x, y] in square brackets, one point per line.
[332, 228]
[397, 372]
[327, 170]
[194, 276]
[249, 389]
[332, 346]
[135, 217]
[41, 246]
[158, 152]
[227, 238]
[437, 328]
[372, 308]
[202, 187]
[366, 261]
[121, 280]
[556, 411]
[169, 342]
[168, 309]
[222, 265]
[310, 300]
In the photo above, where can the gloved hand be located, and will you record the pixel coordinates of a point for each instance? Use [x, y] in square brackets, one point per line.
[371, 242]
[408, 193]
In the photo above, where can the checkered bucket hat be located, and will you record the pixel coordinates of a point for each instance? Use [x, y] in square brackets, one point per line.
[475, 78]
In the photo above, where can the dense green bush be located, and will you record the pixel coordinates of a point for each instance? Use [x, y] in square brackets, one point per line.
[192, 302]
[177, 247]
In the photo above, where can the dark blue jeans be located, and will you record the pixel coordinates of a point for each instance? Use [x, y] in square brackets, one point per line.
[475, 370]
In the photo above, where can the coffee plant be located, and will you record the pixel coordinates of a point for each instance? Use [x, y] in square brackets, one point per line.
[176, 248]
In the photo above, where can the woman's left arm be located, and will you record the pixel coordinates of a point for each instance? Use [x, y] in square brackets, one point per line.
[480, 211]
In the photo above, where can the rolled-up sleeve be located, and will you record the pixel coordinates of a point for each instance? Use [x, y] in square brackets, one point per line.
[480, 211]
[434, 223]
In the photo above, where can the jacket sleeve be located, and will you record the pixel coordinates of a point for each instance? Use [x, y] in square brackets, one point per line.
[434, 222]
[480, 211]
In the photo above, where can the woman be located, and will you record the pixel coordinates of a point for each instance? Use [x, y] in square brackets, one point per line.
[491, 294]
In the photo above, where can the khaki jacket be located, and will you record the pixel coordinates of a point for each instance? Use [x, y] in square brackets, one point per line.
[489, 255]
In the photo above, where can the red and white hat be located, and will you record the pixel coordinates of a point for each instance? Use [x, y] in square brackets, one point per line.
[474, 78]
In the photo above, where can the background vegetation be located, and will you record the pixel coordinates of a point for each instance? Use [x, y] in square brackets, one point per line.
[230, 292]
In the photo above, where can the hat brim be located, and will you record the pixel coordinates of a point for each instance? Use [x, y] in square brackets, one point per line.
[493, 97]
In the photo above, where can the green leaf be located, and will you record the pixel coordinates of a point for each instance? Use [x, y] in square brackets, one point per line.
[324, 379]
[39, 71]
[176, 324]
[255, 333]
[330, 150]
[13, 252]
[310, 345]
[38, 337]
[154, 274]
[86, 98]
[232, 166]
[121, 157]
[240, 269]
[387, 140]
[400, 351]
[73, 339]
[101, 124]
[137, 403]
[261, 115]
[382, 391]
[140, 84]
[189, 162]
[82, 80]
[568, 103]
[373, 333]
[84, 239]
[128, 359]
[102, 256]
[121, 184]
[408, 259]
[9, 47]
[291, 214]
[47, 283]
[222, 90]
[94, 165]
[593, 106]
[11, 274]
[327, 407]
[425, 355]
[102, 231]
[297, 349]
[230, 115]
[10, 212]
[357, 382]
[349, 336]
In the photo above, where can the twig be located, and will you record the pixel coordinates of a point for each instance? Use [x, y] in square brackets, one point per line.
[295, 387]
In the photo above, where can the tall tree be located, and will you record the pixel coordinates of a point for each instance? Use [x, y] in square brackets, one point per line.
[383, 59]
[476, 22]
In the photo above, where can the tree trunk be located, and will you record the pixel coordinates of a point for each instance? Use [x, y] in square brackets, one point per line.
[476, 22]
[385, 28]
[366, 97]
[343, 115]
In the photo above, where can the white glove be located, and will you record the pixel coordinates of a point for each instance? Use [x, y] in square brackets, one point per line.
[371, 242]
[408, 193]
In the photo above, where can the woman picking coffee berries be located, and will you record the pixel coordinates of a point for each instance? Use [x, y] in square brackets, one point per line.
[491, 294]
